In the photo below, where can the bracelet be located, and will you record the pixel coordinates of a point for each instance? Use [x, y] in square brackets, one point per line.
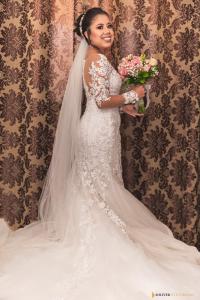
[130, 97]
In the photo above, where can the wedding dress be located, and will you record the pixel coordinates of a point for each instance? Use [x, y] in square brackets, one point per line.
[116, 248]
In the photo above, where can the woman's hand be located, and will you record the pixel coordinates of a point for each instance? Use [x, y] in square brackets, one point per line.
[139, 89]
[131, 110]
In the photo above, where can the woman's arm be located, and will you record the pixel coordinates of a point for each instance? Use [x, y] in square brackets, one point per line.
[123, 99]
[96, 73]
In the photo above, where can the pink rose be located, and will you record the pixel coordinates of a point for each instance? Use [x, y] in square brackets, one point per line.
[147, 68]
[123, 71]
[136, 60]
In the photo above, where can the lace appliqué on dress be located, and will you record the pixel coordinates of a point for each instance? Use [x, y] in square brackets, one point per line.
[98, 88]
[98, 161]
[98, 194]
[130, 97]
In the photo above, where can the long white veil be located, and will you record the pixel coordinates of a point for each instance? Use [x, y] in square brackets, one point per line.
[54, 206]
[53, 198]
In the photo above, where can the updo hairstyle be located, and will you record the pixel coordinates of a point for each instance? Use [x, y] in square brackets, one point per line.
[84, 21]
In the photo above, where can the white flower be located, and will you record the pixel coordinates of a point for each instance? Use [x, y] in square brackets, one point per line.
[153, 62]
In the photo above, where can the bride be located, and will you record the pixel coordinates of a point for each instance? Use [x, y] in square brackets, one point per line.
[94, 239]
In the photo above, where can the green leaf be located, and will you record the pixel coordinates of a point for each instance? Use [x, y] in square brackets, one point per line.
[141, 107]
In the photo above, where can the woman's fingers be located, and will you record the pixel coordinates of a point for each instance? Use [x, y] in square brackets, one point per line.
[139, 89]
[131, 110]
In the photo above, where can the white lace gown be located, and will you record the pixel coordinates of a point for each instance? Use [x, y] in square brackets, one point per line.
[115, 249]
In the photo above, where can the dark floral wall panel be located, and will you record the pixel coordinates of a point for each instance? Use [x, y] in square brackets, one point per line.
[160, 151]
[35, 58]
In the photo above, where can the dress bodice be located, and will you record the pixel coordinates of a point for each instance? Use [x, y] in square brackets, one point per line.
[104, 81]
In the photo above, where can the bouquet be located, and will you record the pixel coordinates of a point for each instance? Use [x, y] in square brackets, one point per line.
[138, 70]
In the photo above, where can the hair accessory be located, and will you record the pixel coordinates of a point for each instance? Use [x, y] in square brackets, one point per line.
[80, 24]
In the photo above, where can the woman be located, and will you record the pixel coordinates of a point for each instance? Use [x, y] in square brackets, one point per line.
[94, 241]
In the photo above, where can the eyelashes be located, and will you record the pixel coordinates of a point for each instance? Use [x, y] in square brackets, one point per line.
[108, 26]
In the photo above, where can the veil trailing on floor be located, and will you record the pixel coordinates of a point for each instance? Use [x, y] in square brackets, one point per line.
[53, 199]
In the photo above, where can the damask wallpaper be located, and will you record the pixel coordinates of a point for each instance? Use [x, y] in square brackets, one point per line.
[160, 151]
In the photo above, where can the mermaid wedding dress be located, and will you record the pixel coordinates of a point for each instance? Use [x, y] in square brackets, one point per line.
[116, 248]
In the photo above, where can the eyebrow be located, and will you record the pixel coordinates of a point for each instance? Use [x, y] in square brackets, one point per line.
[103, 24]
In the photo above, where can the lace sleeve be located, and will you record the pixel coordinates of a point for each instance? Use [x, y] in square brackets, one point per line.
[97, 78]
